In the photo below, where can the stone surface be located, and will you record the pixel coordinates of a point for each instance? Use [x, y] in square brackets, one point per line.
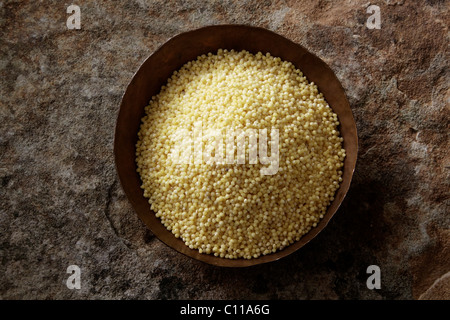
[440, 290]
[61, 203]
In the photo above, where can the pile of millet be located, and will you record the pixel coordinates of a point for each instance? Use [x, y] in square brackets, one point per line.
[231, 210]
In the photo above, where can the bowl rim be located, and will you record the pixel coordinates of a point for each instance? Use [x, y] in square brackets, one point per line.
[279, 254]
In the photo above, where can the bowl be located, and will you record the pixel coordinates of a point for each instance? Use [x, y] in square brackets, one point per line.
[171, 56]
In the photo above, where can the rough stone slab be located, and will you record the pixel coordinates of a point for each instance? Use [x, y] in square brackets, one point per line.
[61, 203]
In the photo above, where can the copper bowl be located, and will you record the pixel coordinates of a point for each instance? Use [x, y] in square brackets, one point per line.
[171, 56]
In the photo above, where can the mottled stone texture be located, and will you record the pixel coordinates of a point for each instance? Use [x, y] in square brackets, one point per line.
[61, 203]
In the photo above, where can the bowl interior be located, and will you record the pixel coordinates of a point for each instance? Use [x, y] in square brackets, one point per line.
[171, 56]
